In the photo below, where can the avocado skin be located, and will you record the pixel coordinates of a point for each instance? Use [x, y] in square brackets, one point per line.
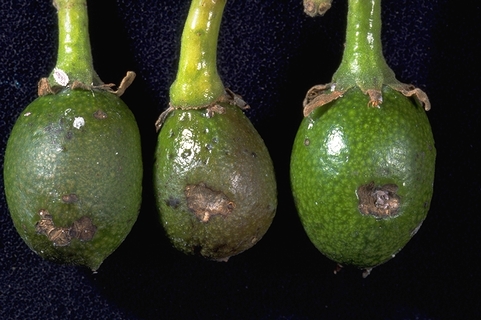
[222, 158]
[346, 144]
[75, 155]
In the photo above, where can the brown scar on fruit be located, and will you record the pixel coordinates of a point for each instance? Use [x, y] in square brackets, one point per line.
[378, 201]
[70, 198]
[205, 202]
[81, 229]
[99, 114]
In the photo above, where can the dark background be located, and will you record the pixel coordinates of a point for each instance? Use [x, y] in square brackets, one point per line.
[271, 54]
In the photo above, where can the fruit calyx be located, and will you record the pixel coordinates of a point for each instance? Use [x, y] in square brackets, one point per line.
[213, 107]
[363, 64]
[74, 67]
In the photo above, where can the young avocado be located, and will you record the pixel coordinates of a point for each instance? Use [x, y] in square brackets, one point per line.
[362, 164]
[73, 175]
[215, 182]
[73, 166]
[213, 177]
[362, 177]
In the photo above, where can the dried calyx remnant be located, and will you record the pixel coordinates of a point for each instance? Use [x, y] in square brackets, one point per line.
[379, 201]
[44, 87]
[363, 64]
[205, 202]
[81, 229]
[322, 94]
[215, 107]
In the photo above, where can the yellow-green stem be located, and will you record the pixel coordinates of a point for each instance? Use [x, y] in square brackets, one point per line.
[74, 58]
[363, 62]
[198, 82]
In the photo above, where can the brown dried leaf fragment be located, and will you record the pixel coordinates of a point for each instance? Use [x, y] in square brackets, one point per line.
[205, 202]
[44, 88]
[409, 90]
[125, 83]
[234, 99]
[375, 98]
[320, 95]
[160, 121]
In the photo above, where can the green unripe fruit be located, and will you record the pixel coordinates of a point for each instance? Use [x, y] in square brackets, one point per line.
[214, 182]
[362, 177]
[73, 175]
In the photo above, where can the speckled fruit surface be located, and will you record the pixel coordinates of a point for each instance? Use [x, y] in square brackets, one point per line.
[73, 175]
[362, 177]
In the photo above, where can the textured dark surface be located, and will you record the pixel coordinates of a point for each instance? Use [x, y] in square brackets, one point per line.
[271, 54]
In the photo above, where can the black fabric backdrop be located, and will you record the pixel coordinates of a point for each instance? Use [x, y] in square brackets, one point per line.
[271, 54]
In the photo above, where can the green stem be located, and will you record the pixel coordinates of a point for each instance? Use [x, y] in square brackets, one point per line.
[363, 63]
[197, 82]
[74, 58]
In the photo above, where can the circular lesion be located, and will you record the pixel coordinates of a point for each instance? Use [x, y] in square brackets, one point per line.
[378, 201]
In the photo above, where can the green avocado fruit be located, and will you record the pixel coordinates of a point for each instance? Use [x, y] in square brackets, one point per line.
[362, 177]
[73, 175]
[214, 182]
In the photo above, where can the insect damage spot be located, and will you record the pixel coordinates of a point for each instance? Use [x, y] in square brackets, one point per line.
[82, 229]
[205, 202]
[69, 198]
[172, 202]
[99, 114]
[378, 201]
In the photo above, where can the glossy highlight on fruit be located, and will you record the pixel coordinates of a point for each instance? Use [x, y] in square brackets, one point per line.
[362, 177]
[73, 175]
[214, 181]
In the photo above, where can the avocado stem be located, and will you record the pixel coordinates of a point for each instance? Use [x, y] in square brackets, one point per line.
[74, 58]
[363, 63]
[197, 81]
